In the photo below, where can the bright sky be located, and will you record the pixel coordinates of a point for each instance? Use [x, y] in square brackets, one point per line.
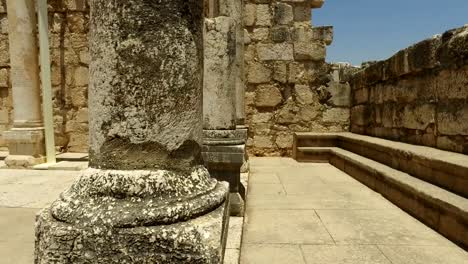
[375, 29]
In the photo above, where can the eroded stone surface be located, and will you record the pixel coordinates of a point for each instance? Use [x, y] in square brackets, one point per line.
[160, 113]
[219, 84]
[146, 196]
[193, 241]
[116, 198]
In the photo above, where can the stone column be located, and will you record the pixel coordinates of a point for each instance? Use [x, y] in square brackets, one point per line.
[234, 9]
[146, 198]
[26, 138]
[224, 147]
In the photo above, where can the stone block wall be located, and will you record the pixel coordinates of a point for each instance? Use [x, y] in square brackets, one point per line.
[419, 96]
[289, 86]
[68, 34]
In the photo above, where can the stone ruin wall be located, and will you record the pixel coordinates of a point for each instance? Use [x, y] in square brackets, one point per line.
[289, 86]
[68, 31]
[419, 96]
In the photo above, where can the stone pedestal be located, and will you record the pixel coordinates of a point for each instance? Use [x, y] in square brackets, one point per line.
[25, 146]
[146, 198]
[26, 138]
[224, 163]
[243, 130]
[224, 147]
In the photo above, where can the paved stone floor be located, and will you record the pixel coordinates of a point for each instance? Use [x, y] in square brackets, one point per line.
[312, 213]
[24, 192]
[297, 213]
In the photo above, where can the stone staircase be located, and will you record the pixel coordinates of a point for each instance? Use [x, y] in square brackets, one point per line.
[428, 183]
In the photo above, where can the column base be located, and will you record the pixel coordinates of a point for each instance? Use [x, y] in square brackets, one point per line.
[26, 147]
[244, 131]
[201, 240]
[224, 164]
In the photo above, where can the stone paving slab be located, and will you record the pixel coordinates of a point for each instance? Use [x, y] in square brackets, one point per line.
[284, 227]
[271, 254]
[325, 216]
[320, 254]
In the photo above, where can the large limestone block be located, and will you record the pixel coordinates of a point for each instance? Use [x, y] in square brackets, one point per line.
[263, 15]
[341, 94]
[304, 94]
[268, 96]
[453, 119]
[336, 115]
[272, 52]
[283, 14]
[309, 51]
[250, 13]
[416, 116]
[258, 73]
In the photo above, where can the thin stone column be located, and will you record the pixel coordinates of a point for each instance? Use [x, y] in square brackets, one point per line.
[146, 198]
[26, 138]
[224, 147]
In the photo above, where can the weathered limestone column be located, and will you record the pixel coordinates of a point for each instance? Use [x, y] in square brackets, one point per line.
[146, 198]
[234, 9]
[224, 147]
[26, 138]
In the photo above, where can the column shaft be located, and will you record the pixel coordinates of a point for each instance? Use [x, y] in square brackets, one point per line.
[26, 138]
[24, 63]
[234, 9]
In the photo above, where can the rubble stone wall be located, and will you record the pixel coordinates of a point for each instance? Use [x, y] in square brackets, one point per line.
[68, 34]
[419, 96]
[289, 86]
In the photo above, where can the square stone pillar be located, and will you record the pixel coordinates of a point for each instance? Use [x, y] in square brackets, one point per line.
[234, 9]
[224, 146]
[25, 139]
[146, 198]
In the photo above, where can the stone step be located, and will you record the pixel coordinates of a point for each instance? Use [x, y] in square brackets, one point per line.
[445, 169]
[442, 210]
